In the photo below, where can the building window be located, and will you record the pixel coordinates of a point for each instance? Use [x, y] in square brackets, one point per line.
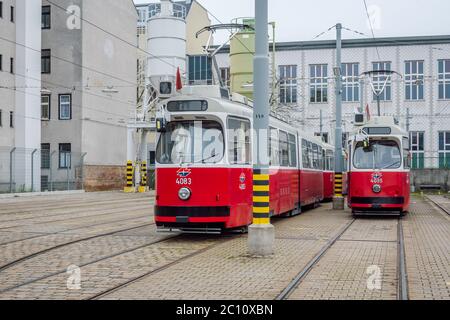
[225, 76]
[65, 155]
[12, 14]
[414, 80]
[1, 9]
[1, 118]
[45, 156]
[319, 83]
[350, 89]
[417, 149]
[45, 107]
[379, 80]
[444, 79]
[65, 107]
[1, 62]
[11, 65]
[200, 70]
[444, 149]
[11, 119]
[46, 17]
[288, 84]
[46, 61]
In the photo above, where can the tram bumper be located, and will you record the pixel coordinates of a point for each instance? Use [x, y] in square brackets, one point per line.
[377, 203]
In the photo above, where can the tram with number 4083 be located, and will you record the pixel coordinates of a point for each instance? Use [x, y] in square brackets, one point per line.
[379, 168]
[204, 172]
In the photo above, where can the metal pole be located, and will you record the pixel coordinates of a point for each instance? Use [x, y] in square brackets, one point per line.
[338, 200]
[51, 174]
[11, 170]
[321, 125]
[82, 169]
[407, 120]
[361, 89]
[261, 236]
[378, 105]
[32, 169]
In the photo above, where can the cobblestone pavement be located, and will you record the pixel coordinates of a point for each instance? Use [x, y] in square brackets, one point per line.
[160, 266]
[427, 249]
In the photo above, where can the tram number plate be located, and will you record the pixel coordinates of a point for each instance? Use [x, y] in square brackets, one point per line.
[184, 181]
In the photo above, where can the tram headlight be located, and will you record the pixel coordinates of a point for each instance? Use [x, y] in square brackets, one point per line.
[184, 194]
[376, 188]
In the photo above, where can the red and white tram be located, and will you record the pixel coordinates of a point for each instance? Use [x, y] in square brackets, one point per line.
[379, 162]
[204, 164]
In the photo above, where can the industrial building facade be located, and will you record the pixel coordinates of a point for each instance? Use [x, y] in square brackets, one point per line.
[306, 88]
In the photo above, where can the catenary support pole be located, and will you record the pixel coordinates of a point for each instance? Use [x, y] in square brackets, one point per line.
[261, 236]
[338, 200]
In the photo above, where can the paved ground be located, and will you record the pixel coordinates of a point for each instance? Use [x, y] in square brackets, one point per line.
[111, 238]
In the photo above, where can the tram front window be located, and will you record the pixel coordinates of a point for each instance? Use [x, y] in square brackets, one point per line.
[379, 155]
[191, 142]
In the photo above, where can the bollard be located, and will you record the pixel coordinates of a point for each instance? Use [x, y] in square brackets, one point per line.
[143, 187]
[130, 185]
[338, 200]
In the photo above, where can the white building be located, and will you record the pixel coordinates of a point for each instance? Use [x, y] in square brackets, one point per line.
[20, 82]
[307, 85]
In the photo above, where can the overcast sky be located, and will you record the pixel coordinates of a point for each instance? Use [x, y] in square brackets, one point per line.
[300, 20]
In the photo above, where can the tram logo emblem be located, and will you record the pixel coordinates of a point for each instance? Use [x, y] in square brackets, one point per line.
[242, 179]
[184, 172]
[377, 177]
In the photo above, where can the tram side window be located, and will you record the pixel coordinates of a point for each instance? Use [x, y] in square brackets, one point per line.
[274, 143]
[305, 154]
[311, 155]
[406, 154]
[292, 151]
[239, 148]
[284, 149]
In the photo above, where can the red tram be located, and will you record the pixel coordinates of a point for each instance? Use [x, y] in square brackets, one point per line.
[204, 164]
[379, 175]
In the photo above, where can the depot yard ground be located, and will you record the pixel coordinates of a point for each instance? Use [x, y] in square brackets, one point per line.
[105, 246]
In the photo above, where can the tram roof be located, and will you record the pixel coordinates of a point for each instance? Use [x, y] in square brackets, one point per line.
[237, 105]
[384, 122]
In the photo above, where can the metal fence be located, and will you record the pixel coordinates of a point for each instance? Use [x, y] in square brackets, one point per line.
[33, 170]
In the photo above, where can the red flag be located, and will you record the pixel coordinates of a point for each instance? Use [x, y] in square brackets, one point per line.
[179, 82]
[368, 112]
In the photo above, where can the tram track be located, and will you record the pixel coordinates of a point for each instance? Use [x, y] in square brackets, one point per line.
[117, 211]
[117, 254]
[125, 284]
[284, 295]
[59, 246]
[437, 204]
[402, 290]
[402, 284]
[62, 232]
[73, 210]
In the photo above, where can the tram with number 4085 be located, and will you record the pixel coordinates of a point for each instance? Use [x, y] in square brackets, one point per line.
[379, 168]
[204, 172]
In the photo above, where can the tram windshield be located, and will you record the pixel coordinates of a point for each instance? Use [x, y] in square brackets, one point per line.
[379, 155]
[191, 142]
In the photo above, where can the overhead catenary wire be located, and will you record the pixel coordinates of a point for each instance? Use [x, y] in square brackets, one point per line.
[115, 36]
[371, 28]
[70, 62]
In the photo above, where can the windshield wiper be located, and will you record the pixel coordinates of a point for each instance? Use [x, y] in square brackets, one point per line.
[389, 166]
[206, 159]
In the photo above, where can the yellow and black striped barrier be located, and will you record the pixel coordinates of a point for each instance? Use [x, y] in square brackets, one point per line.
[130, 174]
[261, 197]
[143, 187]
[338, 185]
